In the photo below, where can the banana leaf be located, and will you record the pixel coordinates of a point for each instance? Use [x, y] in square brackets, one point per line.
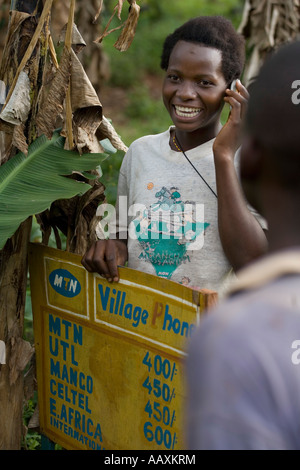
[29, 184]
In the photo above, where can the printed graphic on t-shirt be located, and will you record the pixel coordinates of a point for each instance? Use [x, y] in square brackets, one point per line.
[168, 231]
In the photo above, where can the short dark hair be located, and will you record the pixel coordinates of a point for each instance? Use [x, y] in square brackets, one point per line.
[211, 31]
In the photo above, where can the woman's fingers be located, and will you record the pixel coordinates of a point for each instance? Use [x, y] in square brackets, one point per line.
[242, 90]
[94, 259]
[238, 100]
[104, 256]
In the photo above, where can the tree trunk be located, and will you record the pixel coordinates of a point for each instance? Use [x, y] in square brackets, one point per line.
[13, 257]
[13, 277]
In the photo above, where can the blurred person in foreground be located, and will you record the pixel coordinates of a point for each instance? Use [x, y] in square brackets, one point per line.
[243, 366]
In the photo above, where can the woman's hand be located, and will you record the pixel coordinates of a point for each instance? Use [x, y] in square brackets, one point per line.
[229, 138]
[104, 257]
[242, 237]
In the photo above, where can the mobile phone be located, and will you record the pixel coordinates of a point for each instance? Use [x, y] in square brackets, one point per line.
[233, 88]
[233, 85]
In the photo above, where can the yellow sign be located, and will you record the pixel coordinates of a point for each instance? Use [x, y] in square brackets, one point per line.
[110, 357]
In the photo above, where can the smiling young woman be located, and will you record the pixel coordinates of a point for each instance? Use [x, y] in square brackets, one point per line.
[189, 217]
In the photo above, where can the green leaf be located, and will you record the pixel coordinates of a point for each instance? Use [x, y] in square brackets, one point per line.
[29, 184]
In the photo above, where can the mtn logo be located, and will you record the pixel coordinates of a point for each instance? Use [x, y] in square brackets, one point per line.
[64, 283]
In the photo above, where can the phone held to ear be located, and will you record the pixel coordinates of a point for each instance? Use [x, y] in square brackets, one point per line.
[233, 86]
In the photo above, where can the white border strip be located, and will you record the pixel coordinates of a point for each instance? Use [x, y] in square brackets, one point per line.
[155, 291]
[149, 289]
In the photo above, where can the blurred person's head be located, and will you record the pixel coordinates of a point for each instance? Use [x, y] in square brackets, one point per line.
[270, 156]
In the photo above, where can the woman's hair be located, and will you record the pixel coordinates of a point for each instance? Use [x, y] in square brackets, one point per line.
[211, 31]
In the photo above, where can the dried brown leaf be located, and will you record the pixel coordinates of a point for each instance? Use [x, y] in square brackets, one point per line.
[129, 24]
[87, 109]
[19, 139]
[106, 130]
[86, 142]
[6, 127]
[77, 40]
[52, 105]
[107, 31]
[83, 93]
[120, 7]
[128, 32]
[98, 11]
[5, 145]
[76, 217]
[17, 108]
[86, 220]
[33, 42]
[268, 24]
[52, 52]
[16, 20]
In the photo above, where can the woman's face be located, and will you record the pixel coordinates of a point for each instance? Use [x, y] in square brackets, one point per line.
[194, 87]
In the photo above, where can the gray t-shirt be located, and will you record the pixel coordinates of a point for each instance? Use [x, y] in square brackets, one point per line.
[173, 221]
[243, 367]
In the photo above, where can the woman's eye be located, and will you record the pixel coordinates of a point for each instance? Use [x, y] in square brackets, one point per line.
[173, 78]
[204, 83]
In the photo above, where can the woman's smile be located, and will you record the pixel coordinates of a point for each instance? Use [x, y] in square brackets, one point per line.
[187, 112]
